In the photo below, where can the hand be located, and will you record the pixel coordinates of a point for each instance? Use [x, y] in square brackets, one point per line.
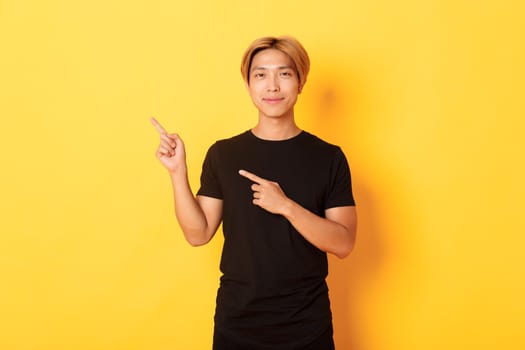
[267, 194]
[171, 151]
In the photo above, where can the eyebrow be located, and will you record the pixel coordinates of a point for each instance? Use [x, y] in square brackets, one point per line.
[265, 67]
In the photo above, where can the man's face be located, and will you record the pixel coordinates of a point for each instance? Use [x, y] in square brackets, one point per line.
[273, 84]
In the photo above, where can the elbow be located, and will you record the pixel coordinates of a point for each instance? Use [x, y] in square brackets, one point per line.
[196, 243]
[345, 251]
[342, 255]
[196, 240]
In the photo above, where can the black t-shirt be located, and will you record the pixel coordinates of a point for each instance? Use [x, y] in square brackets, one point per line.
[273, 291]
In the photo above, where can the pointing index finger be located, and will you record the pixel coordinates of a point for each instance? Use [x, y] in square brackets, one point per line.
[251, 176]
[157, 126]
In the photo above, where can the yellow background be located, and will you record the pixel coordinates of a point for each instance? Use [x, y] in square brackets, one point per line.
[425, 97]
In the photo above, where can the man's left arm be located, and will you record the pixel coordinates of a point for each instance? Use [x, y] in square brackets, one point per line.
[335, 233]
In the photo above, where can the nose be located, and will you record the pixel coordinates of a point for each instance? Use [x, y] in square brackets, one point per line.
[273, 84]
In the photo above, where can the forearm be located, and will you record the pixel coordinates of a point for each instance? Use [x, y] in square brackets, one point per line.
[327, 235]
[190, 216]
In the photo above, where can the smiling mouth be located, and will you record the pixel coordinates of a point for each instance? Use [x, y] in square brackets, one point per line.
[273, 100]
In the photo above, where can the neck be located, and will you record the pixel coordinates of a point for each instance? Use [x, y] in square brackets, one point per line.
[275, 129]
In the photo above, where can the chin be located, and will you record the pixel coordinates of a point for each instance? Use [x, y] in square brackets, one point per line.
[275, 114]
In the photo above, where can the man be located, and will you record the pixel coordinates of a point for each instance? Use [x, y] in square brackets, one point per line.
[285, 199]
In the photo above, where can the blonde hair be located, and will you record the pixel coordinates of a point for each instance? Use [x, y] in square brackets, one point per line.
[286, 44]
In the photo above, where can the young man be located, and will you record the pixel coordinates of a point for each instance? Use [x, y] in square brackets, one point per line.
[285, 200]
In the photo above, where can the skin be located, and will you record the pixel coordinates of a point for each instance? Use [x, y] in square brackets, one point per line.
[274, 87]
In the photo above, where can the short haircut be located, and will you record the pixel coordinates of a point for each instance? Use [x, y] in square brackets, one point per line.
[286, 44]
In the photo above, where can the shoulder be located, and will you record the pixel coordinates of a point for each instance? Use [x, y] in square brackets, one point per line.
[239, 139]
[321, 145]
[229, 142]
[227, 147]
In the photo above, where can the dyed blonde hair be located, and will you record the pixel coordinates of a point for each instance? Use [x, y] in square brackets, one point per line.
[286, 44]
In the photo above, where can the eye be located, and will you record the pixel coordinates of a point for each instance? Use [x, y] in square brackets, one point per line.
[286, 74]
[258, 75]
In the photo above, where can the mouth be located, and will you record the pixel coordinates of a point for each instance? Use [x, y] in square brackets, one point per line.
[273, 100]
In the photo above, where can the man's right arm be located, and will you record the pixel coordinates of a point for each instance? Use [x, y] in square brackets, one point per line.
[199, 217]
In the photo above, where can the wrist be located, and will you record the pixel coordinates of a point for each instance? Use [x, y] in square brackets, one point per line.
[178, 172]
[288, 208]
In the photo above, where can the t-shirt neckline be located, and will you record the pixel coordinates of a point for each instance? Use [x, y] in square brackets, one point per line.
[255, 137]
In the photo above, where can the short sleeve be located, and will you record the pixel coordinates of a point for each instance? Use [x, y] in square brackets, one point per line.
[210, 185]
[339, 192]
